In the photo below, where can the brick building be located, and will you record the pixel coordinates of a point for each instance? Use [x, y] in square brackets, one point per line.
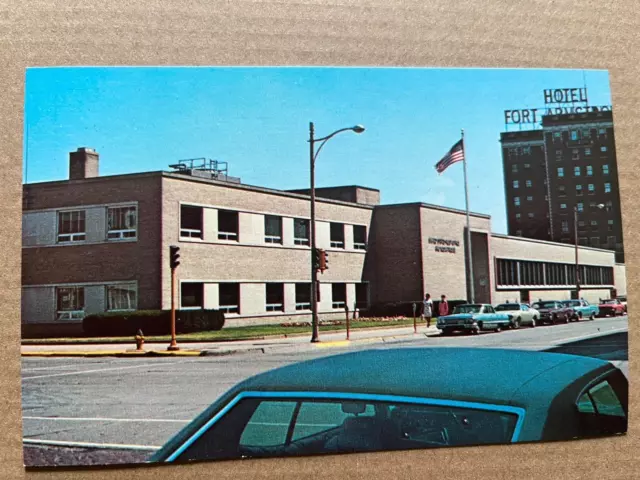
[94, 244]
[569, 163]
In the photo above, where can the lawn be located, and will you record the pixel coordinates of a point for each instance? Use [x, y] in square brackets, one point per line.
[234, 333]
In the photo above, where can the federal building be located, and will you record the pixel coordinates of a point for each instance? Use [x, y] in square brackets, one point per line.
[95, 243]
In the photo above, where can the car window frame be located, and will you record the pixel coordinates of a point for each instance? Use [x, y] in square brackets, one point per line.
[337, 396]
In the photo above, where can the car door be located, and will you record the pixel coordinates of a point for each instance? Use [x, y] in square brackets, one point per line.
[525, 314]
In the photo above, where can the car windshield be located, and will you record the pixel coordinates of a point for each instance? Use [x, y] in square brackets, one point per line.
[467, 309]
[609, 302]
[571, 303]
[259, 427]
[505, 307]
[545, 305]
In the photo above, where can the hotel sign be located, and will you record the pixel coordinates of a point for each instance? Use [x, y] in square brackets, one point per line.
[444, 245]
[557, 101]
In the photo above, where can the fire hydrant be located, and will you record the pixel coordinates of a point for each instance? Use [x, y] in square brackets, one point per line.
[139, 340]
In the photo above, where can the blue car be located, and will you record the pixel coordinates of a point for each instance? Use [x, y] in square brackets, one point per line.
[473, 318]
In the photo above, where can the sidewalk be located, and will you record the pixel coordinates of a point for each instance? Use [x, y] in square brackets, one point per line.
[327, 340]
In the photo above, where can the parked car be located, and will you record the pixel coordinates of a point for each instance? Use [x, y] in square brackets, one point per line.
[553, 311]
[623, 301]
[611, 306]
[521, 313]
[385, 400]
[582, 309]
[473, 318]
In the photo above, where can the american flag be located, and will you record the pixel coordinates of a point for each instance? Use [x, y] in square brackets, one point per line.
[456, 154]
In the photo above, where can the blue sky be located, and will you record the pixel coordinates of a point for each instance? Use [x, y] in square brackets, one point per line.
[257, 120]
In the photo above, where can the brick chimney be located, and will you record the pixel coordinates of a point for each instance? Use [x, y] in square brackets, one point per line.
[83, 163]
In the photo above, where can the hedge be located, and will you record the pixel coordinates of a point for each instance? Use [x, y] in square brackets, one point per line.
[151, 322]
[404, 309]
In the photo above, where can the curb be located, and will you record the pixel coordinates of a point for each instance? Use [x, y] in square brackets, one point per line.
[119, 353]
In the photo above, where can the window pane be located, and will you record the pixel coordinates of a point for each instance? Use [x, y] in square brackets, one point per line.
[191, 217]
[301, 231]
[316, 417]
[606, 401]
[121, 297]
[273, 226]
[268, 425]
[192, 294]
[229, 295]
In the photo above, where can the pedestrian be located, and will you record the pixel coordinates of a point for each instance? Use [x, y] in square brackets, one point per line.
[427, 309]
[443, 308]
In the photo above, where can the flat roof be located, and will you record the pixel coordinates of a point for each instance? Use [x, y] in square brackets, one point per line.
[549, 242]
[435, 207]
[334, 188]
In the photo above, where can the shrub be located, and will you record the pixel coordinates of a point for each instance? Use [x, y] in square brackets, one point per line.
[151, 322]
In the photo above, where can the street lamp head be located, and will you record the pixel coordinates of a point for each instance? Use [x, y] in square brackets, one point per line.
[601, 206]
[358, 129]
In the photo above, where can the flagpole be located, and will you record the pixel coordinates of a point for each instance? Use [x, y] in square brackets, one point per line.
[466, 197]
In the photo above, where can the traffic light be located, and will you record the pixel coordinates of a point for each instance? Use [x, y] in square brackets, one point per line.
[324, 261]
[174, 256]
[317, 253]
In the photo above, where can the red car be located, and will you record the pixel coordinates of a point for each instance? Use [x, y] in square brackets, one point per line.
[612, 307]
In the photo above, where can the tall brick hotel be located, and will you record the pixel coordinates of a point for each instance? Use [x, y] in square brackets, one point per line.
[101, 243]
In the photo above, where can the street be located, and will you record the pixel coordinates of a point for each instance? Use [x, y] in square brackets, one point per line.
[139, 403]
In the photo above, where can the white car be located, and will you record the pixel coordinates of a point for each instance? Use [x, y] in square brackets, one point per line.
[522, 314]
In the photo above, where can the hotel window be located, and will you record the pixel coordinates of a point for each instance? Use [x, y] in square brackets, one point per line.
[578, 189]
[605, 169]
[70, 303]
[609, 204]
[589, 170]
[121, 297]
[594, 223]
[580, 207]
[557, 136]
[301, 234]
[607, 188]
[581, 225]
[192, 295]
[529, 198]
[518, 215]
[574, 135]
[362, 295]
[560, 172]
[595, 242]
[516, 201]
[190, 221]
[338, 295]
[563, 206]
[272, 229]
[516, 184]
[583, 241]
[575, 154]
[526, 150]
[514, 168]
[303, 296]
[562, 190]
[529, 184]
[519, 233]
[121, 222]
[527, 165]
[229, 294]
[359, 237]
[611, 242]
[227, 225]
[576, 171]
[602, 131]
[592, 188]
[603, 149]
[610, 225]
[587, 151]
[565, 226]
[337, 235]
[275, 297]
[530, 215]
[71, 226]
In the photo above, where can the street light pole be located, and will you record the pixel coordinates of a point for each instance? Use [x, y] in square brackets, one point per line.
[313, 154]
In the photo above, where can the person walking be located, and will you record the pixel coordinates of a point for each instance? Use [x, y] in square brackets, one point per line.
[443, 308]
[427, 309]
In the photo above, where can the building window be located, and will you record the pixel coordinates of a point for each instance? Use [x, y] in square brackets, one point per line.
[602, 131]
[227, 225]
[338, 295]
[275, 297]
[527, 165]
[526, 150]
[70, 303]
[190, 221]
[516, 184]
[359, 237]
[578, 189]
[337, 235]
[607, 188]
[71, 226]
[303, 296]
[229, 294]
[562, 190]
[574, 135]
[560, 172]
[529, 184]
[362, 295]
[529, 198]
[609, 204]
[594, 223]
[192, 295]
[301, 233]
[121, 297]
[514, 168]
[610, 225]
[516, 201]
[580, 207]
[611, 242]
[603, 149]
[605, 169]
[272, 229]
[518, 215]
[576, 171]
[592, 188]
[587, 151]
[563, 206]
[519, 233]
[565, 226]
[557, 136]
[121, 222]
[581, 224]
[530, 215]
[589, 170]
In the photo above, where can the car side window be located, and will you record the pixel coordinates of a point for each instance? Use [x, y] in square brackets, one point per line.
[606, 400]
[488, 309]
[317, 417]
[269, 424]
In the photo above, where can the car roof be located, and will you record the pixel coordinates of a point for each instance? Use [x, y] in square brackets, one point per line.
[489, 375]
